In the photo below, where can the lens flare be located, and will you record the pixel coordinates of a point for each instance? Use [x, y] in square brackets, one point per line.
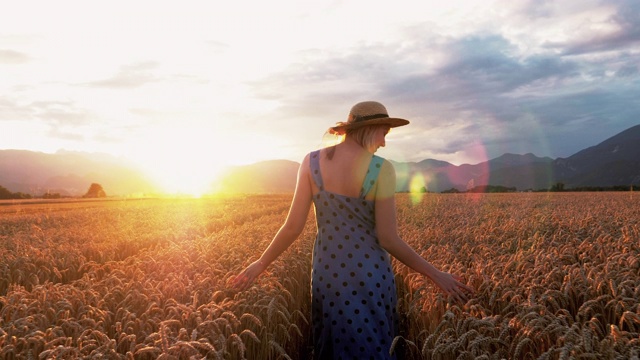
[417, 188]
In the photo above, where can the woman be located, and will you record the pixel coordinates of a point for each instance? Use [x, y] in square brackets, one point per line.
[352, 285]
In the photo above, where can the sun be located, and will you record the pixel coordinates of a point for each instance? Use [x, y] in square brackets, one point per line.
[191, 159]
[186, 177]
[182, 160]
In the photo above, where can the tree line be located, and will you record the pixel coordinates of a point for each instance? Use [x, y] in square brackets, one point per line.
[6, 194]
[95, 191]
[558, 187]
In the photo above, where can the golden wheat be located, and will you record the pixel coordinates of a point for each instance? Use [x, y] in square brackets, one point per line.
[556, 276]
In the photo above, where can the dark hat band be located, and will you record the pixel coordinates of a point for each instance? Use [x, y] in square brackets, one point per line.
[359, 118]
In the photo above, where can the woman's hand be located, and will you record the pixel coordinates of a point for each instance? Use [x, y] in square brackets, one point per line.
[246, 278]
[453, 286]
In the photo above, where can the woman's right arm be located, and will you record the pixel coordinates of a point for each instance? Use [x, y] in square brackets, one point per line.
[387, 230]
[288, 233]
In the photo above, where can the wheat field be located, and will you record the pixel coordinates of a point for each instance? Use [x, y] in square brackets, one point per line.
[557, 276]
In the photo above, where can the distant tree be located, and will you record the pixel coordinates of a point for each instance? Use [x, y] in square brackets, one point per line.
[95, 191]
[558, 187]
[6, 194]
[492, 189]
[50, 195]
[451, 191]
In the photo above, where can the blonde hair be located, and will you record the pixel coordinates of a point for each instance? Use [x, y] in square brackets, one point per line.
[365, 135]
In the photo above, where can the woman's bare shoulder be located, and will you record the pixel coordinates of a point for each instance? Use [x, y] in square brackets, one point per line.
[387, 168]
[386, 180]
[305, 165]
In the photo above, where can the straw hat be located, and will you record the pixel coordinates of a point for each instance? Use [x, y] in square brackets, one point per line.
[364, 114]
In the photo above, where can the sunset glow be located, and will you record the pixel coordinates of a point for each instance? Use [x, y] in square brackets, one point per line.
[185, 89]
[185, 160]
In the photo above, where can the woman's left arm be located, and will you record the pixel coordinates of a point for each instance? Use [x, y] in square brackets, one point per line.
[387, 230]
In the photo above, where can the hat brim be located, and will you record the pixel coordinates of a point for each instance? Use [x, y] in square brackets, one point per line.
[391, 122]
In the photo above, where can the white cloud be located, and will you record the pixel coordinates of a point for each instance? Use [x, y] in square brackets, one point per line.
[469, 74]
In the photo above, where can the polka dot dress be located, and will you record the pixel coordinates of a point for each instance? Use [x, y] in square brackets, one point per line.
[353, 291]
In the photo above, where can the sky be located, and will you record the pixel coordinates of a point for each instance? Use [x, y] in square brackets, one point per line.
[187, 87]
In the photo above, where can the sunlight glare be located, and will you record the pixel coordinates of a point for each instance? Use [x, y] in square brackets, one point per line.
[183, 160]
[417, 187]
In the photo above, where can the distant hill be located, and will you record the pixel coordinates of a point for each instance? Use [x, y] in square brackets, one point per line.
[273, 176]
[69, 173]
[613, 162]
[510, 170]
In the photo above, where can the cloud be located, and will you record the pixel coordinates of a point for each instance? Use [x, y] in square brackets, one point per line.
[218, 47]
[106, 138]
[13, 57]
[618, 31]
[129, 76]
[64, 135]
[489, 83]
[627, 71]
[60, 113]
[478, 67]
[483, 87]
[62, 119]
[11, 111]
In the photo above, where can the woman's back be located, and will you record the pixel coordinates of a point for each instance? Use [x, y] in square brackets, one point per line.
[352, 283]
[344, 168]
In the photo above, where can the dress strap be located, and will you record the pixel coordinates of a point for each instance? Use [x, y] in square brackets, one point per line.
[314, 163]
[372, 175]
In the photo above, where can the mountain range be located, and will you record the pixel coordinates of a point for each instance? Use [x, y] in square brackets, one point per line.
[613, 162]
[69, 173]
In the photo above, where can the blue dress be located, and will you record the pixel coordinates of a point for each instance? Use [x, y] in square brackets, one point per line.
[353, 292]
